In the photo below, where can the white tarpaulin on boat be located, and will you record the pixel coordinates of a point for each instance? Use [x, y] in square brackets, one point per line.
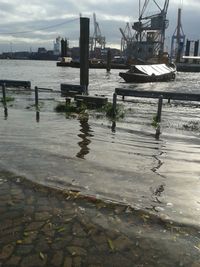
[157, 69]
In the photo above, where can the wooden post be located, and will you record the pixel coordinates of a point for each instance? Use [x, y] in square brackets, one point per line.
[36, 97]
[84, 53]
[108, 65]
[37, 104]
[114, 104]
[160, 102]
[4, 100]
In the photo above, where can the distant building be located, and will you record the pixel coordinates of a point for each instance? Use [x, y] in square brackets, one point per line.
[42, 50]
[57, 46]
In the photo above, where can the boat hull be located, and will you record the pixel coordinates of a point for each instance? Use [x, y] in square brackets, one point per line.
[142, 78]
[188, 67]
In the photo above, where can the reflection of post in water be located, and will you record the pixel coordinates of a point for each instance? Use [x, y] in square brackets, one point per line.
[113, 126]
[4, 101]
[84, 135]
[37, 116]
[157, 134]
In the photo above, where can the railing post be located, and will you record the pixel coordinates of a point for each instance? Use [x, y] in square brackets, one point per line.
[36, 97]
[108, 65]
[114, 104]
[37, 104]
[159, 111]
[158, 116]
[4, 100]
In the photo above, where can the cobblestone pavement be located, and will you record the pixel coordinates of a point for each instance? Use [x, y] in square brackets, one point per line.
[44, 227]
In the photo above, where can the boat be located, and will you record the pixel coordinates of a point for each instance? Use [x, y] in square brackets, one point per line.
[149, 73]
[189, 64]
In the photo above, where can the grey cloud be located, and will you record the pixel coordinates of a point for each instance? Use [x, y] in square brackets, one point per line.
[56, 9]
[6, 8]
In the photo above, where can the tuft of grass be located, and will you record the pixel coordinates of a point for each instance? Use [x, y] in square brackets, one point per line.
[154, 122]
[8, 99]
[70, 108]
[62, 107]
[108, 109]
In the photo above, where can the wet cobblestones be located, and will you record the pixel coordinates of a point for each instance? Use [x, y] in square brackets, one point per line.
[44, 227]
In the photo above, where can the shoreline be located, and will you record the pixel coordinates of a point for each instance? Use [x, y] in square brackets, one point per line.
[45, 227]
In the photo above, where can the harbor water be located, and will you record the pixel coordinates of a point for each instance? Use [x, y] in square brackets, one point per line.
[124, 162]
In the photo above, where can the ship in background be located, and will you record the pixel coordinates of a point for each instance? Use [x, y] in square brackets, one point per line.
[143, 41]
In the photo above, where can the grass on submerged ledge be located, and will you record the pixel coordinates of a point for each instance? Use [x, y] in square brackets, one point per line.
[8, 99]
[69, 108]
[107, 109]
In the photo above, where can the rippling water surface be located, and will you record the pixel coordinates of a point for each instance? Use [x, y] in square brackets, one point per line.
[123, 162]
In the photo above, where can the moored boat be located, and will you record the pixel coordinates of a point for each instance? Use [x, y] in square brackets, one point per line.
[189, 64]
[149, 73]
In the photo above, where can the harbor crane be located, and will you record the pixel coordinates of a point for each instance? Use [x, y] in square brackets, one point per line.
[178, 40]
[127, 37]
[149, 30]
[97, 37]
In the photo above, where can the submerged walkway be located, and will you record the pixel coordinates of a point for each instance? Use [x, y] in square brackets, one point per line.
[44, 227]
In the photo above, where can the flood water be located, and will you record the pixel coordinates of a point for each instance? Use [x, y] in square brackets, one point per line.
[125, 162]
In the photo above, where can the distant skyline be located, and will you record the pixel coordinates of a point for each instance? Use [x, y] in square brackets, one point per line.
[27, 25]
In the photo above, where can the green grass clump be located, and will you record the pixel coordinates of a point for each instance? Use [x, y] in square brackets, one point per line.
[8, 99]
[154, 121]
[108, 109]
[63, 107]
[70, 108]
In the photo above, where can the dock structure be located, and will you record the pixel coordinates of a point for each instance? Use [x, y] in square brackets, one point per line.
[71, 89]
[93, 65]
[79, 93]
[93, 101]
[15, 83]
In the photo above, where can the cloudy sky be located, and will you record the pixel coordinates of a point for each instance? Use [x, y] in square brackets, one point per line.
[29, 24]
